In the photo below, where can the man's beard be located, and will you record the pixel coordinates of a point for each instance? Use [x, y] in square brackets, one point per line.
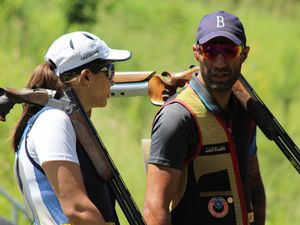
[220, 86]
[211, 83]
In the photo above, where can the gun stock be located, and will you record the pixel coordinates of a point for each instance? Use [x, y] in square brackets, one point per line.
[91, 145]
[128, 77]
[163, 86]
[10, 96]
[157, 86]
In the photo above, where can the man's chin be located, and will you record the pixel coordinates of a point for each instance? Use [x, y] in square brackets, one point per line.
[220, 87]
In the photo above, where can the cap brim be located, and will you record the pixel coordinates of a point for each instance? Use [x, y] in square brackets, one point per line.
[118, 55]
[212, 35]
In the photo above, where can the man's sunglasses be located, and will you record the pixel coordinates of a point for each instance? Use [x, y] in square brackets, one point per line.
[211, 51]
[109, 71]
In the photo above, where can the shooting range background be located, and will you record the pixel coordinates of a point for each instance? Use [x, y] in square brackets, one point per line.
[160, 34]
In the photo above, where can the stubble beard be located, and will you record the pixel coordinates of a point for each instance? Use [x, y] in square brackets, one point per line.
[220, 86]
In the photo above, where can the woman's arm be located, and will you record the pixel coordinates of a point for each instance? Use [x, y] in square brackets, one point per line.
[67, 182]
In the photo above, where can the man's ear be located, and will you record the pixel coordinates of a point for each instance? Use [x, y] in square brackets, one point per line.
[245, 53]
[196, 52]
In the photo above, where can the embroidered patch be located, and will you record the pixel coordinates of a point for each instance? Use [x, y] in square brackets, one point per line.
[218, 207]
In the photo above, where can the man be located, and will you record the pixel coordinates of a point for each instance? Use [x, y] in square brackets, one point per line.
[203, 166]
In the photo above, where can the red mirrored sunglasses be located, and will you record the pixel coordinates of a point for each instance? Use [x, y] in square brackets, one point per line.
[211, 51]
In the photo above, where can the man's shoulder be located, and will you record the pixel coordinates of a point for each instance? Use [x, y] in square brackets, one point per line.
[175, 110]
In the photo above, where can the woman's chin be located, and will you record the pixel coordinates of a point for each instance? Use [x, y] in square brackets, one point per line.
[102, 104]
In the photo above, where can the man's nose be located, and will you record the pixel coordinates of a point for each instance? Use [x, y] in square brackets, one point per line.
[220, 61]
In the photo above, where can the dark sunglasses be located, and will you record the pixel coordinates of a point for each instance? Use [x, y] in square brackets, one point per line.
[109, 71]
[229, 51]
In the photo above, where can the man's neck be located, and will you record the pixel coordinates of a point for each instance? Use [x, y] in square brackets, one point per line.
[222, 97]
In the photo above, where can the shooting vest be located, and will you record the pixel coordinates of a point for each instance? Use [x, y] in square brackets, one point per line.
[210, 188]
[98, 191]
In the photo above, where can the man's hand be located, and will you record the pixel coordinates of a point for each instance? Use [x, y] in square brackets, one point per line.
[241, 94]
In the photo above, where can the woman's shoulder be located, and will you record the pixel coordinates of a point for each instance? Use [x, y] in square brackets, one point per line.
[53, 113]
[50, 117]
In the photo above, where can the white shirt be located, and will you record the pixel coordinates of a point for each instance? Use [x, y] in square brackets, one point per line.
[51, 137]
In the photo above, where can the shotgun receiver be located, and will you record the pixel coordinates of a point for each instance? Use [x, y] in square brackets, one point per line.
[87, 136]
[161, 86]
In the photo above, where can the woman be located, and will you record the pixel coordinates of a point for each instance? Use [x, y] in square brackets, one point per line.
[57, 179]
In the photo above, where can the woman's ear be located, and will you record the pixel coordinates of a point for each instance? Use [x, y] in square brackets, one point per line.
[84, 76]
[196, 52]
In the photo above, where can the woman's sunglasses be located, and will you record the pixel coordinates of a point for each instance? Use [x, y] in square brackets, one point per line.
[211, 51]
[109, 71]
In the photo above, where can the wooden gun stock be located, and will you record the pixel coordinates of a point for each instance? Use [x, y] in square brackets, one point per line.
[128, 77]
[10, 96]
[91, 145]
[163, 86]
[158, 86]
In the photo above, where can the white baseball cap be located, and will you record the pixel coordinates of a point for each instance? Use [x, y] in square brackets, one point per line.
[78, 48]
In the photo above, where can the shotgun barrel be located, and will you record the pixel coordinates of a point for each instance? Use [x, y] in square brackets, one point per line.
[269, 125]
[129, 89]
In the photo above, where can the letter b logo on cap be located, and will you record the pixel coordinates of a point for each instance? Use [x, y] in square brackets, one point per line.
[220, 21]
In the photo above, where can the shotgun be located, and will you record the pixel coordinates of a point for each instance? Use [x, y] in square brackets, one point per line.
[269, 125]
[161, 86]
[157, 86]
[127, 84]
[86, 135]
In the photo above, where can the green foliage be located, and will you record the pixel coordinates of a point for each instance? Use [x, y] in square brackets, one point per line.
[160, 35]
[80, 11]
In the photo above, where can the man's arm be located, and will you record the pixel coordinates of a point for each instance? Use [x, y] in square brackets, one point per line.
[162, 184]
[173, 133]
[257, 191]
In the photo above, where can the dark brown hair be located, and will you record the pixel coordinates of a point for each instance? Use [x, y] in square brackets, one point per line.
[41, 77]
